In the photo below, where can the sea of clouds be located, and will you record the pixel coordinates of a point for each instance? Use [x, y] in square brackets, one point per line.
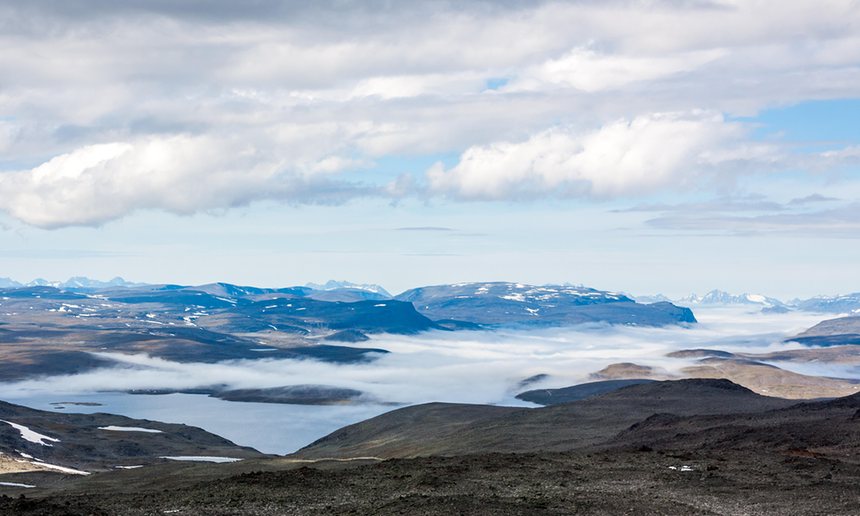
[464, 366]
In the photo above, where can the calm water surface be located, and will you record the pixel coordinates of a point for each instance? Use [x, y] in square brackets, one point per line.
[268, 427]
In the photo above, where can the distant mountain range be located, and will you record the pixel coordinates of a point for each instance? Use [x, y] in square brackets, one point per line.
[719, 297]
[524, 302]
[221, 321]
[849, 303]
[74, 283]
[456, 306]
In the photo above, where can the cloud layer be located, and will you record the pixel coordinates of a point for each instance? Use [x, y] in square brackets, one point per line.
[474, 367]
[216, 106]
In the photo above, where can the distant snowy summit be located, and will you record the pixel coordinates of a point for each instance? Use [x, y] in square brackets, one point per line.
[656, 298]
[721, 297]
[74, 283]
[339, 285]
[847, 304]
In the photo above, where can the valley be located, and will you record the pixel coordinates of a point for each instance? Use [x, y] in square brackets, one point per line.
[305, 387]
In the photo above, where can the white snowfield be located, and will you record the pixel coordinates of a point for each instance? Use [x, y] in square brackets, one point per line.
[29, 463]
[113, 428]
[62, 469]
[201, 458]
[15, 484]
[30, 435]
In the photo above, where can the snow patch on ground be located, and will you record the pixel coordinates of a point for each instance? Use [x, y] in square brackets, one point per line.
[113, 428]
[514, 297]
[682, 468]
[14, 484]
[201, 458]
[30, 435]
[62, 469]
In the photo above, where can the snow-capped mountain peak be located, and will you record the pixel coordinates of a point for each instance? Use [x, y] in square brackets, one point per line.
[721, 297]
[335, 285]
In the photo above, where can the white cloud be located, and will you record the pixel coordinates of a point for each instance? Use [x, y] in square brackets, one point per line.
[180, 174]
[623, 158]
[270, 96]
[8, 134]
[590, 71]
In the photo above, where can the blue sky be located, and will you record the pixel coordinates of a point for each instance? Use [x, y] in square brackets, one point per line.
[403, 145]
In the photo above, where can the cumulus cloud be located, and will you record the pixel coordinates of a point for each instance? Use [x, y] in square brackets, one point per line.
[309, 89]
[622, 158]
[179, 174]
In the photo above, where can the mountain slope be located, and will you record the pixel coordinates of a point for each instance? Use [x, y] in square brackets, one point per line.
[832, 332]
[806, 429]
[576, 392]
[752, 456]
[550, 305]
[91, 442]
[453, 429]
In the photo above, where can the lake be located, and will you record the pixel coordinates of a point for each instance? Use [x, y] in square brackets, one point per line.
[267, 427]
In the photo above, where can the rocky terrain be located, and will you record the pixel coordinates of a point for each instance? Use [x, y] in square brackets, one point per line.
[453, 429]
[720, 437]
[738, 453]
[83, 443]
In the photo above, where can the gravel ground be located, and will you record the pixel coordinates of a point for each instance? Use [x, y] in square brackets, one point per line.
[610, 482]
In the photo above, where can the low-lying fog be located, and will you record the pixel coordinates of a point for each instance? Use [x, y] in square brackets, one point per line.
[472, 367]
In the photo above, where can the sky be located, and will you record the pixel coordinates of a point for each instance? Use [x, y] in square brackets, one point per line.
[639, 146]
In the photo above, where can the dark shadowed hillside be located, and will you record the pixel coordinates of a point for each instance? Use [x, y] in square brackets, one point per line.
[91, 442]
[451, 429]
[706, 447]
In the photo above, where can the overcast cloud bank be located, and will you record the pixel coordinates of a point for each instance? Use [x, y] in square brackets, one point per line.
[109, 108]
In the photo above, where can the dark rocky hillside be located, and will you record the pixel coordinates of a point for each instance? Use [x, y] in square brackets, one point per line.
[91, 442]
[576, 392]
[832, 332]
[702, 447]
[453, 429]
